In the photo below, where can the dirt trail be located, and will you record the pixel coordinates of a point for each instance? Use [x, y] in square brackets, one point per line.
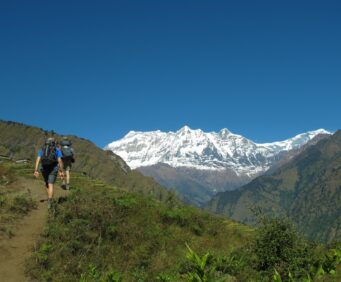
[14, 251]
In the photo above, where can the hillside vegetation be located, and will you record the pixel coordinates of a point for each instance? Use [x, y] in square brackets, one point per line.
[101, 231]
[98, 232]
[307, 190]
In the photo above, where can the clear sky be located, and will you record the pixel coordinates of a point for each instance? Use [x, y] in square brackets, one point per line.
[265, 69]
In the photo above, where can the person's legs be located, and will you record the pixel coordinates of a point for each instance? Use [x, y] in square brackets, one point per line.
[49, 191]
[67, 178]
[52, 176]
[67, 169]
[45, 172]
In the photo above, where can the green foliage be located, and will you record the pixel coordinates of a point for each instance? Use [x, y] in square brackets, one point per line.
[184, 217]
[332, 259]
[276, 277]
[235, 263]
[206, 268]
[125, 202]
[277, 253]
[278, 245]
[167, 277]
[94, 275]
[202, 268]
[318, 272]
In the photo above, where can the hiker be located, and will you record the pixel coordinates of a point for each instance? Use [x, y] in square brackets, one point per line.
[50, 158]
[68, 159]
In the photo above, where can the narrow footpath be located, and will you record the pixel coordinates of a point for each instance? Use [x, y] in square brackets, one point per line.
[16, 250]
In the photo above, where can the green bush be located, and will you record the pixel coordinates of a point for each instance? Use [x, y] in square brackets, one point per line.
[278, 246]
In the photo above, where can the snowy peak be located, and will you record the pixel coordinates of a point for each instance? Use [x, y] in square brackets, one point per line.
[224, 133]
[206, 151]
[297, 141]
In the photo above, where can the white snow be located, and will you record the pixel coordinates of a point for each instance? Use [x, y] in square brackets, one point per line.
[206, 151]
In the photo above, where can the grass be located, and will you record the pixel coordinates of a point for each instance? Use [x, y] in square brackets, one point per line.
[101, 231]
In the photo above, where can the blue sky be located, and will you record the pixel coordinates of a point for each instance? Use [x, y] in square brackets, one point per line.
[265, 69]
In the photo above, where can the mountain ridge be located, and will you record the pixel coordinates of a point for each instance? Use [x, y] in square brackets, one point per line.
[307, 189]
[206, 151]
[198, 165]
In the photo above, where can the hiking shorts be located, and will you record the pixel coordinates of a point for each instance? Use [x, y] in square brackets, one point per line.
[50, 174]
[67, 164]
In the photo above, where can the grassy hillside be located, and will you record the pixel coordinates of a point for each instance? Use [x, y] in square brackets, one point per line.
[307, 190]
[97, 232]
[101, 231]
[19, 141]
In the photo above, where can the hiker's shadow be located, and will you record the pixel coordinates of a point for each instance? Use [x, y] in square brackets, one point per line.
[59, 200]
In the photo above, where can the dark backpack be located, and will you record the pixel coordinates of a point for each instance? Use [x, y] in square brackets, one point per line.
[49, 155]
[67, 149]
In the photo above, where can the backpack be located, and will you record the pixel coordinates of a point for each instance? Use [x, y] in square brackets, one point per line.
[49, 155]
[67, 149]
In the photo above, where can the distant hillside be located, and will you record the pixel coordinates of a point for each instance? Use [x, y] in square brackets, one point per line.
[195, 186]
[307, 189]
[19, 141]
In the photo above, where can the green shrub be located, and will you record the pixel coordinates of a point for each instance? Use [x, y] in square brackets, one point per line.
[177, 216]
[278, 246]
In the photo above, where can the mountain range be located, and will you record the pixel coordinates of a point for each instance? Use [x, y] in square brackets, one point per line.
[200, 164]
[307, 190]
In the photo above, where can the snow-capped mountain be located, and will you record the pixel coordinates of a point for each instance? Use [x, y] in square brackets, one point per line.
[204, 151]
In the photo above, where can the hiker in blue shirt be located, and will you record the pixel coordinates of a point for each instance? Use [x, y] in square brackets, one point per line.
[50, 158]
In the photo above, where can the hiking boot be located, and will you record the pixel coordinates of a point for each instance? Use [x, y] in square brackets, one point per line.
[63, 186]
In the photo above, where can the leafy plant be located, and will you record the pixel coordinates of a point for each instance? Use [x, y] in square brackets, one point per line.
[202, 270]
